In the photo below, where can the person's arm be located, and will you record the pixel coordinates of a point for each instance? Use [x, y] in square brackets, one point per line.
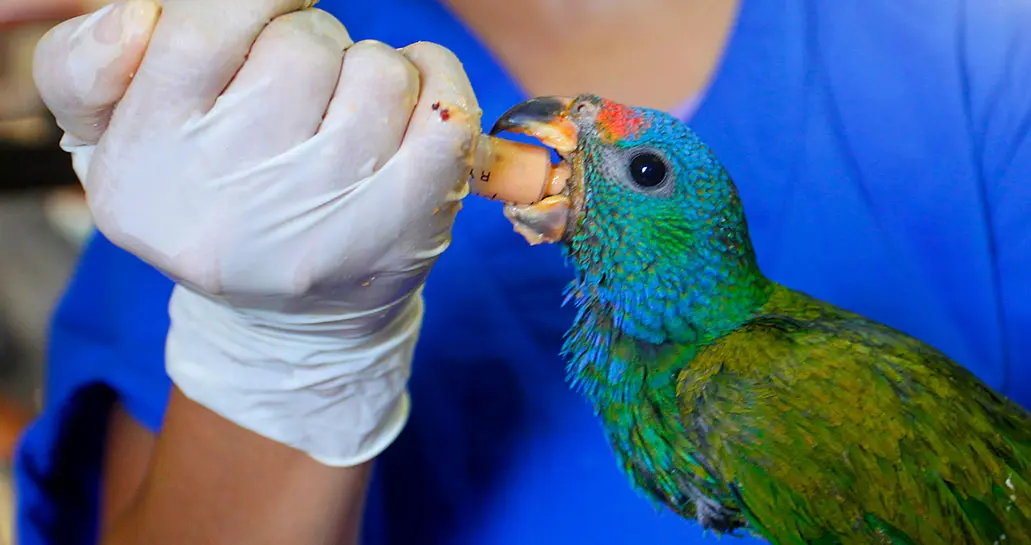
[299, 248]
[128, 447]
[298, 202]
[222, 479]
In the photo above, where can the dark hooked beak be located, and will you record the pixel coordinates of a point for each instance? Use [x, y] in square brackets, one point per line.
[544, 118]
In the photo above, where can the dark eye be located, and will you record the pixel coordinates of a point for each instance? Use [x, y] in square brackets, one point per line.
[647, 169]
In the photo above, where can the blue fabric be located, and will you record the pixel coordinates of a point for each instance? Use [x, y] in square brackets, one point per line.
[881, 153]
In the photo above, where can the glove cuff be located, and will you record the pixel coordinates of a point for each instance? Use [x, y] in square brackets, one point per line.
[342, 400]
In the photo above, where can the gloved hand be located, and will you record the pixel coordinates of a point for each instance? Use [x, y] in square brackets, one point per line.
[297, 205]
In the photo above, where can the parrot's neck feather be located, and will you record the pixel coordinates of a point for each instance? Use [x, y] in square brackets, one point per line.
[613, 359]
[631, 384]
[631, 327]
[629, 374]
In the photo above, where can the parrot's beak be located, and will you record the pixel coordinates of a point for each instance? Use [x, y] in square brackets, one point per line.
[546, 119]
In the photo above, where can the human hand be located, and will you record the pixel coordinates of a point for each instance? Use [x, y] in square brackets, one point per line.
[297, 205]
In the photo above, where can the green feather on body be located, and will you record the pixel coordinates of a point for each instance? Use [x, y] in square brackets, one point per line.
[738, 402]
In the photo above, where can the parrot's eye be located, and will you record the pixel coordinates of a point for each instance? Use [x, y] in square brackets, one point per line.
[647, 169]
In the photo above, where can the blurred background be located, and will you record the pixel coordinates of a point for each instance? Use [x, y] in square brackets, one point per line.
[43, 222]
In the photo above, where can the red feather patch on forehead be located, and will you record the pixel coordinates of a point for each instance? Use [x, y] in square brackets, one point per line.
[616, 121]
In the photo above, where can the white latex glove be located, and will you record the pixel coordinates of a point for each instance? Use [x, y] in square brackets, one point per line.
[297, 206]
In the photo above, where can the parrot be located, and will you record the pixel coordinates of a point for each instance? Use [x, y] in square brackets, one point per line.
[734, 401]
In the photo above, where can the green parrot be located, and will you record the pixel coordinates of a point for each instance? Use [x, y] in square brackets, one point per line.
[736, 401]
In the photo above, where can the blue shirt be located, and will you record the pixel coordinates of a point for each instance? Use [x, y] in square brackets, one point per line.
[881, 151]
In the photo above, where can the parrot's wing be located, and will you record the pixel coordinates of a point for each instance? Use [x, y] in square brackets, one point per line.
[829, 425]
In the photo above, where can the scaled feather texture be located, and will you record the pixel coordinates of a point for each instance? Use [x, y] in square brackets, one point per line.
[749, 406]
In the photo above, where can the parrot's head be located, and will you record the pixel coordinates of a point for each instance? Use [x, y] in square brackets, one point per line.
[649, 218]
